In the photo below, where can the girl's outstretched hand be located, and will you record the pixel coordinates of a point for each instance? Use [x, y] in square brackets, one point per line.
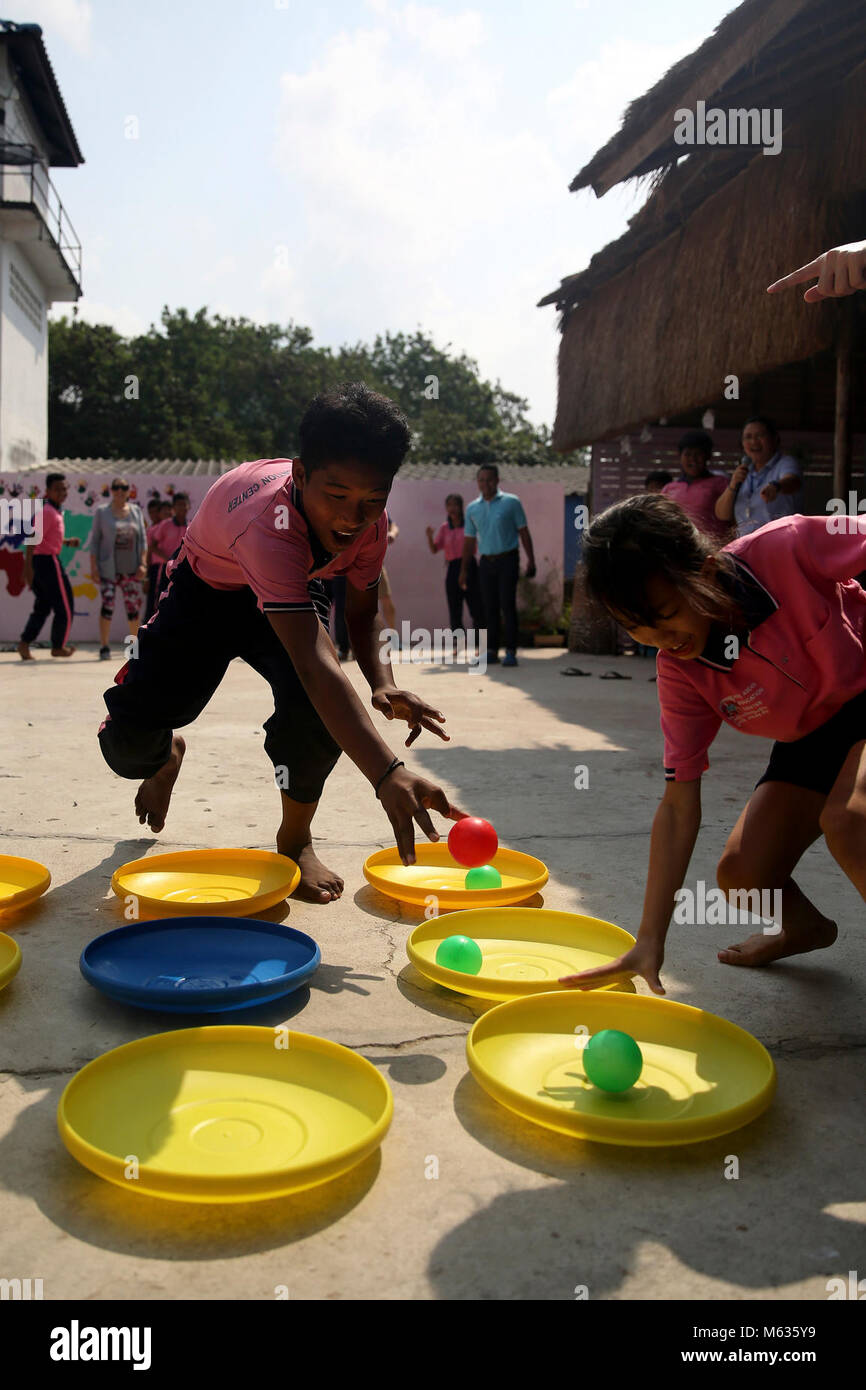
[641, 960]
[839, 271]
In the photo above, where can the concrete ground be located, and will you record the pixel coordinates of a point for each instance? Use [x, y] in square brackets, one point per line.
[517, 1212]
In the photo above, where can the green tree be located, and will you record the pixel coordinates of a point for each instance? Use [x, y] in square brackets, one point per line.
[201, 386]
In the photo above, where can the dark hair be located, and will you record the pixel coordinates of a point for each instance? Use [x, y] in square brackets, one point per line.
[769, 425]
[647, 536]
[489, 468]
[696, 439]
[180, 497]
[455, 497]
[54, 478]
[353, 422]
[658, 475]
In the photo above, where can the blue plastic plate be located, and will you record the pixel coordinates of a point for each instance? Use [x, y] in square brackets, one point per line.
[205, 965]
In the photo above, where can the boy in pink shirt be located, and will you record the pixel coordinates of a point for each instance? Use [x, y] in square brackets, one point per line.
[248, 582]
[767, 635]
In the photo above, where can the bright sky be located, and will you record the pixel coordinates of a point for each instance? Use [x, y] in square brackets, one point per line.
[353, 165]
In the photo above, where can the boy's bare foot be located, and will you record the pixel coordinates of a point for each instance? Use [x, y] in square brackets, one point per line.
[318, 884]
[24, 652]
[62, 651]
[761, 950]
[154, 794]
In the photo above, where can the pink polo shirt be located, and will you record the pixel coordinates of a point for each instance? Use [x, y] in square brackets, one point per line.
[52, 531]
[698, 497]
[449, 539]
[249, 530]
[799, 664]
[164, 538]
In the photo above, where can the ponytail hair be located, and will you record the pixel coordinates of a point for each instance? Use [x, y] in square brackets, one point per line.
[650, 536]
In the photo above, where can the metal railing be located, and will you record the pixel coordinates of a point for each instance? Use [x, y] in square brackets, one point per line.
[28, 185]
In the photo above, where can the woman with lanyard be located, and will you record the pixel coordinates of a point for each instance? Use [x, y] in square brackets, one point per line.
[762, 487]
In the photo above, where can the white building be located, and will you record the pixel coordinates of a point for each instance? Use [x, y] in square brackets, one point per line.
[40, 257]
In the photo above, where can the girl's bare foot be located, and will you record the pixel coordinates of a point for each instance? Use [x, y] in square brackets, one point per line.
[62, 651]
[318, 884]
[154, 794]
[24, 652]
[761, 950]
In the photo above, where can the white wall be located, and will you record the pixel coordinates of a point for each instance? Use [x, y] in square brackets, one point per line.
[23, 345]
[23, 361]
[417, 577]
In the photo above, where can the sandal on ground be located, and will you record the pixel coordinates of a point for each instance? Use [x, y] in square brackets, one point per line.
[574, 671]
[614, 676]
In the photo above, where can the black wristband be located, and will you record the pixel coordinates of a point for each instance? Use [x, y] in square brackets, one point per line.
[395, 764]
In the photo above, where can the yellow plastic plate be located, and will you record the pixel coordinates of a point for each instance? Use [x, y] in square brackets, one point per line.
[22, 881]
[235, 881]
[437, 874]
[525, 950]
[223, 1115]
[10, 958]
[702, 1076]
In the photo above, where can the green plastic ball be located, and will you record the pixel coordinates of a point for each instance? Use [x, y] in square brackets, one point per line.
[612, 1060]
[459, 953]
[485, 876]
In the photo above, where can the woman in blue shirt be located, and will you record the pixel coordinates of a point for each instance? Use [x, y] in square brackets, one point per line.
[762, 487]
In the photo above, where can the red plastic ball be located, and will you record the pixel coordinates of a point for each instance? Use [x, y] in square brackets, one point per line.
[473, 841]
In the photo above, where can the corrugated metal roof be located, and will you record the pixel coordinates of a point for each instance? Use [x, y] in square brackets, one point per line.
[572, 478]
[29, 54]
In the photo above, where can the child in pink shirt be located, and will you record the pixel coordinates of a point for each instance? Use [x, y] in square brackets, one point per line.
[449, 538]
[163, 539]
[766, 635]
[248, 582]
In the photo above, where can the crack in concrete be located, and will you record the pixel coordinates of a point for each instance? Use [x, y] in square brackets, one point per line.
[47, 1071]
[405, 1042]
[811, 1049]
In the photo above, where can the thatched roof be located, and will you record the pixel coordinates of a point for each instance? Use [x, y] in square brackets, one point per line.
[755, 46]
[662, 315]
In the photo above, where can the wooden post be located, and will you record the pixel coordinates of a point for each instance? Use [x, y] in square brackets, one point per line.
[842, 433]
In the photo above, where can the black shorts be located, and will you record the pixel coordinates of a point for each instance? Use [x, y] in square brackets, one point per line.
[816, 760]
[183, 654]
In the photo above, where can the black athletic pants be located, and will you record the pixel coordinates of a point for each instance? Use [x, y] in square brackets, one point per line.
[499, 574]
[52, 593]
[183, 654]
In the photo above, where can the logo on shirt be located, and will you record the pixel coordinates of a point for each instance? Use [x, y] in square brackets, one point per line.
[745, 706]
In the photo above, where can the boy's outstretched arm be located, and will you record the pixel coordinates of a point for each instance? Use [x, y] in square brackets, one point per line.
[404, 796]
[675, 829]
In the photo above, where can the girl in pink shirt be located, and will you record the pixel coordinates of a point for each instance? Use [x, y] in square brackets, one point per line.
[449, 538]
[767, 635]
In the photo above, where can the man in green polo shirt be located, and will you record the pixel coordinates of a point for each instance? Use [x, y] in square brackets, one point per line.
[495, 522]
